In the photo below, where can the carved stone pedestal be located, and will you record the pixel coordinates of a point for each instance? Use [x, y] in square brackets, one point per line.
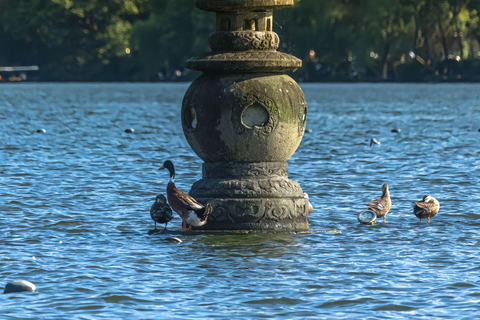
[245, 119]
[252, 196]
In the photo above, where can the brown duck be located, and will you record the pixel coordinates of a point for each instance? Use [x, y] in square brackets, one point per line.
[382, 205]
[190, 210]
[427, 208]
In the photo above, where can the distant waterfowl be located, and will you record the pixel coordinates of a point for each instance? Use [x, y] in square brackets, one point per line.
[130, 130]
[396, 130]
[374, 141]
[160, 211]
[382, 205]
[190, 210]
[427, 208]
[41, 131]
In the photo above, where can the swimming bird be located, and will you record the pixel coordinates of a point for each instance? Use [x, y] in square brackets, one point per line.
[190, 210]
[427, 208]
[382, 205]
[160, 211]
[374, 141]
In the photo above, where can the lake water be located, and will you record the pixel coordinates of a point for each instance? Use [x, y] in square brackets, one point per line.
[74, 209]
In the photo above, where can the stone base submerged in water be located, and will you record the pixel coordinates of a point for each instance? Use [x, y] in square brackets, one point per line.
[252, 196]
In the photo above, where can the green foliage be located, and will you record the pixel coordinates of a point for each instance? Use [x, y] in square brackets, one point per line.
[173, 33]
[338, 40]
[70, 40]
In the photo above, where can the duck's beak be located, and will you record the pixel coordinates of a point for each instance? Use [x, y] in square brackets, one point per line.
[161, 168]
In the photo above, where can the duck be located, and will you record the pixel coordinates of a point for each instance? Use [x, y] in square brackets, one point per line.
[160, 211]
[382, 205]
[310, 207]
[192, 212]
[427, 208]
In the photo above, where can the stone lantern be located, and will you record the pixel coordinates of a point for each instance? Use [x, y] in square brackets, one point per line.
[245, 118]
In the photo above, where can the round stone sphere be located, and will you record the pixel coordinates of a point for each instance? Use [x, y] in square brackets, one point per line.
[244, 117]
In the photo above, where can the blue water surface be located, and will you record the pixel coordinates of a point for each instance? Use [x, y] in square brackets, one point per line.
[74, 209]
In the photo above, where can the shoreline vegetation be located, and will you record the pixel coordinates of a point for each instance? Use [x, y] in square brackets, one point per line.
[150, 40]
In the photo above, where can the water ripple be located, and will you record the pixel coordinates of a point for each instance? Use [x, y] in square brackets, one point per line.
[74, 207]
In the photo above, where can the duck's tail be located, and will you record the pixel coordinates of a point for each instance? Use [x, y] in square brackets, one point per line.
[205, 212]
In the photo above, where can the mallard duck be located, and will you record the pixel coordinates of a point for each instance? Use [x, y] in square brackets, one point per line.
[382, 205]
[160, 211]
[427, 208]
[190, 210]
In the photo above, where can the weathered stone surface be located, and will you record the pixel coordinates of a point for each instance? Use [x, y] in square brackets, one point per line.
[247, 188]
[245, 62]
[237, 170]
[213, 124]
[19, 286]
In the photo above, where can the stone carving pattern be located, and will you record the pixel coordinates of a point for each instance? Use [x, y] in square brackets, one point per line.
[267, 172]
[244, 170]
[254, 212]
[187, 127]
[303, 119]
[272, 187]
[301, 208]
[279, 213]
[244, 40]
[248, 99]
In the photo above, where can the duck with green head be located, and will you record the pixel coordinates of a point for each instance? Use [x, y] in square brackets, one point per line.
[192, 212]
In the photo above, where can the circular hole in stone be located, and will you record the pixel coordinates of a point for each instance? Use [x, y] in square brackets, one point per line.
[191, 117]
[255, 116]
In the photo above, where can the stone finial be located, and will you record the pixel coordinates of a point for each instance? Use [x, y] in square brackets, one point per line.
[244, 40]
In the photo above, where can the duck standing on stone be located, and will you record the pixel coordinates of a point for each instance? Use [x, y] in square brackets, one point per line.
[190, 210]
[382, 205]
[160, 211]
[427, 208]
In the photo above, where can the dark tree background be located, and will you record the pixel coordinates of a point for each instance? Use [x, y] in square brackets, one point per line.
[148, 40]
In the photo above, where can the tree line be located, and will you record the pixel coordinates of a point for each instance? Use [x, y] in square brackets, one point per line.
[148, 40]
